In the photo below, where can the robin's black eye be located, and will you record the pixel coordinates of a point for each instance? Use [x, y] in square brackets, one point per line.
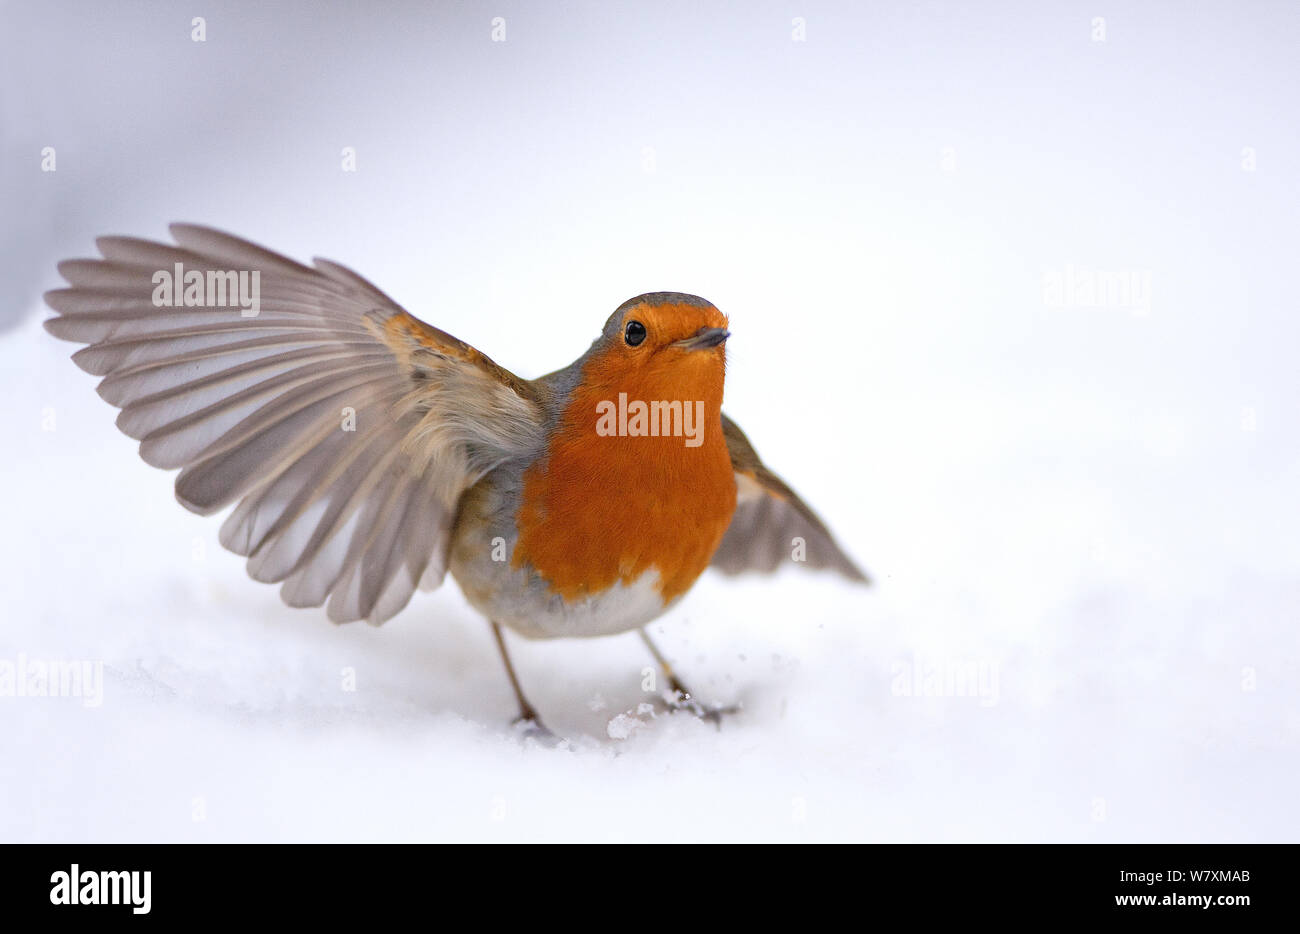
[634, 333]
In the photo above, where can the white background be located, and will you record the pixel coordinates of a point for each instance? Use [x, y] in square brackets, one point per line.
[1097, 505]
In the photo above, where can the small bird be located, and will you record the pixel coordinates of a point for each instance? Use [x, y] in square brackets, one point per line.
[369, 453]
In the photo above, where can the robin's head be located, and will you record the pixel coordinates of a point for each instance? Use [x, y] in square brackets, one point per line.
[664, 336]
[666, 321]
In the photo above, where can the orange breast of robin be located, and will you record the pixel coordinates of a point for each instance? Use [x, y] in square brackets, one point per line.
[600, 509]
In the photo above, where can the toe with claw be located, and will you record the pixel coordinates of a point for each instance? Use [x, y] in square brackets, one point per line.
[682, 699]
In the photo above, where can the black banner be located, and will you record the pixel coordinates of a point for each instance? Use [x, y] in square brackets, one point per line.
[140, 883]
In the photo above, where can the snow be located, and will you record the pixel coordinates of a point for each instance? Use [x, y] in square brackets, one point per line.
[1081, 518]
[1112, 708]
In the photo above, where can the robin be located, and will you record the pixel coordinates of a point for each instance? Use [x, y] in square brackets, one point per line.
[370, 453]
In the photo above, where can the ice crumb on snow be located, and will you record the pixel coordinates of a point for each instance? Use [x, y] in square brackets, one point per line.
[622, 726]
[625, 724]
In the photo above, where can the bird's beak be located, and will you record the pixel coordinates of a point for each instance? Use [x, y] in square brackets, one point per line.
[703, 339]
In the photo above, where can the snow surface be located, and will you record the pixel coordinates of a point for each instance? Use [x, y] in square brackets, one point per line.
[1118, 710]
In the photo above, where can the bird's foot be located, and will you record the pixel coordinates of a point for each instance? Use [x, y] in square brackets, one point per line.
[529, 725]
[678, 698]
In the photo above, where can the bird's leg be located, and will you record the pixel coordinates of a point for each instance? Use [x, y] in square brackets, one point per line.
[683, 696]
[676, 686]
[528, 716]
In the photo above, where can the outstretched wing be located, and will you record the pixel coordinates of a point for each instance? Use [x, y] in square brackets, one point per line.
[345, 428]
[771, 521]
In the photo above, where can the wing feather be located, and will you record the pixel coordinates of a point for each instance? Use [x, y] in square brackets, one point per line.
[344, 428]
[772, 524]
